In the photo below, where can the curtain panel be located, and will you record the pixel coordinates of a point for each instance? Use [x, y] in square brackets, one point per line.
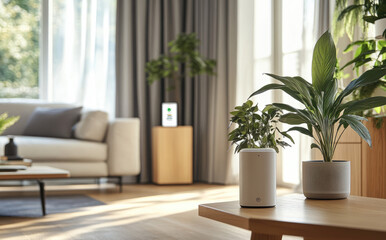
[78, 46]
[143, 31]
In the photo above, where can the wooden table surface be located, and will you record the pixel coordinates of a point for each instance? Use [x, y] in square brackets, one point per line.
[35, 172]
[351, 219]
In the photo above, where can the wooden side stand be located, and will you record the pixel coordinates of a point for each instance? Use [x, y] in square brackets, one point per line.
[172, 154]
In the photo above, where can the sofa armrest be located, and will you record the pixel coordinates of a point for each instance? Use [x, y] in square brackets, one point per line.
[123, 147]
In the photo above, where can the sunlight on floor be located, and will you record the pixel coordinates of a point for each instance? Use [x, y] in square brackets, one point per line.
[138, 204]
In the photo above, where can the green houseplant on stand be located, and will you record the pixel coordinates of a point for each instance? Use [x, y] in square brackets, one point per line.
[325, 116]
[182, 61]
[257, 146]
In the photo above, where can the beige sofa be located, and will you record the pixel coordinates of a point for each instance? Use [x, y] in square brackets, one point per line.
[116, 156]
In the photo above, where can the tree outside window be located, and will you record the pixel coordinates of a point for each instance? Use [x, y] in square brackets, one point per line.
[19, 48]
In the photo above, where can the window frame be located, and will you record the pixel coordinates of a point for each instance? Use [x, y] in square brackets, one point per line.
[45, 43]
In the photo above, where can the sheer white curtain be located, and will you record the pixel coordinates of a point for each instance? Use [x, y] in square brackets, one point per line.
[80, 53]
[284, 35]
[297, 45]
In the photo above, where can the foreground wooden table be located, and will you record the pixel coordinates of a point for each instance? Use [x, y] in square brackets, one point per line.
[347, 219]
[38, 173]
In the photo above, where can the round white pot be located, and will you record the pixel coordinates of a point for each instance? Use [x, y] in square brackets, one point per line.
[380, 26]
[257, 175]
[326, 180]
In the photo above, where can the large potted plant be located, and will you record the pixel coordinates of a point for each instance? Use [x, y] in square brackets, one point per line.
[326, 116]
[349, 15]
[257, 145]
[368, 51]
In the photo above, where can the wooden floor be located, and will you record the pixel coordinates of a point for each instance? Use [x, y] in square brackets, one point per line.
[140, 212]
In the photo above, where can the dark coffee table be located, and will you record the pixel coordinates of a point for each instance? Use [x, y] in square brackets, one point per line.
[38, 173]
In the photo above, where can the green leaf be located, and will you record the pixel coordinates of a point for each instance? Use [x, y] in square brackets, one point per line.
[381, 44]
[360, 49]
[294, 83]
[285, 134]
[285, 107]
[323, 62]
[304, 88]
[6, 122]
[301, 130]
[277, 86]
[292, 109]
[329, 95]
[357, 126]
[359, 57]
[368, 77]
[249, 103]
[283, 144]
[361, 62]
[383, 50]
[359, 118]
[292, 119]
[364, 104]
[267, 108]
[349, 47]
[296, 87]
[266, 88]
[314, 145]
[3, 116]
[370, 19]
[347, 10]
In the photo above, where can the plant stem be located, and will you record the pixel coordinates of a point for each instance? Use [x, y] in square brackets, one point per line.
[336, 143]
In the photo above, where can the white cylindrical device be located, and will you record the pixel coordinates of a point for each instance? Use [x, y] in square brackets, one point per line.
[257, 175]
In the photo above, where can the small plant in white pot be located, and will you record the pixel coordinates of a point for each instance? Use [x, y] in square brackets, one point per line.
[326, 116]
[257, 145]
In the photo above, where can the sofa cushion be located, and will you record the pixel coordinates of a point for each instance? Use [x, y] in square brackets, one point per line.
[57, 149]
[52, 122]
[92, 126]
[24, 108]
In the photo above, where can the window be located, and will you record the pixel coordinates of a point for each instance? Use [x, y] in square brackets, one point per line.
[264, 48]
[79, 53]
[283, 45]
[74, 42]
[19, 48]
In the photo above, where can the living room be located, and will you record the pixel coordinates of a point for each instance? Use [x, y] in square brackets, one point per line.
[193, 119]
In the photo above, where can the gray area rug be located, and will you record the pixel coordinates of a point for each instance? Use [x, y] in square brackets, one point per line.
[31, 207]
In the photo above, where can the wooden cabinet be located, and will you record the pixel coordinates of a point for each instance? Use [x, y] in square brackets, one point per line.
[172, 155]
[368, 165]
[374, 162]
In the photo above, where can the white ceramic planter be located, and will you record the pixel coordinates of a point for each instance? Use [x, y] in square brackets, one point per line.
[326, 180]
[257, 177]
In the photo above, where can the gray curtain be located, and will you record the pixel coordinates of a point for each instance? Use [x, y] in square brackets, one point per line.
[144, 27]
[322, 21]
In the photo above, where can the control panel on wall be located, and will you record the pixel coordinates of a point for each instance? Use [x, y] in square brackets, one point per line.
[169, 114]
